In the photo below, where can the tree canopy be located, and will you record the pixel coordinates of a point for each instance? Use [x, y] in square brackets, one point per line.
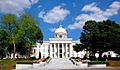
[101, 36]
[19, 32]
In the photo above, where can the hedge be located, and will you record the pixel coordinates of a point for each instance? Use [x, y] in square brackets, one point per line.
[97, 62]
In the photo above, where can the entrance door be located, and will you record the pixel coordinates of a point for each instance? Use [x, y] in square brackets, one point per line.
[39, 54]
[60, 51]
[60, 55]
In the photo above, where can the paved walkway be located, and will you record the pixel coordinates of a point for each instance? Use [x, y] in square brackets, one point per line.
[60, 64]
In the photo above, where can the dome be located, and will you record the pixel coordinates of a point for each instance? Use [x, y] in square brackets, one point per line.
[60, 30]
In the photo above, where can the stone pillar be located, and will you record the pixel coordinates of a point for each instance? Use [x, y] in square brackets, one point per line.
[66, 51]
[54, 50]
[50, 50]
[62, 50]
[70, 45]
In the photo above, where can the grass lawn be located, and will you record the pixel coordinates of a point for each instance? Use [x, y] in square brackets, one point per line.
[7, 64]
[10, 64]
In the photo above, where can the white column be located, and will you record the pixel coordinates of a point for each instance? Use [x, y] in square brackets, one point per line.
[37, 51]
[58, 50]
[70, 50]
[50, 50]
[66, 51]
[62, 50]
[54, 50]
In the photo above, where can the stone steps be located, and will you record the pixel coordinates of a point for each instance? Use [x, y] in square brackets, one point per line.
[60, 63]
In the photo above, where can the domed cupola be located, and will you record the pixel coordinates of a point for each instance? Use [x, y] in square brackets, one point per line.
[60, 32]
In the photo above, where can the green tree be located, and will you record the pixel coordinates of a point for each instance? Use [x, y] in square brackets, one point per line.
[10, 25]
[101, 36]
[19, 32]
[77, 47]
[3, 43]
[31, 32]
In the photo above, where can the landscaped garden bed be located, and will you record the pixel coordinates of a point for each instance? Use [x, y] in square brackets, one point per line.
[33, 64]
[79, 62]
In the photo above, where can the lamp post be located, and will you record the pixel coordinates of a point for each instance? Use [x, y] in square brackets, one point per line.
[97, 55]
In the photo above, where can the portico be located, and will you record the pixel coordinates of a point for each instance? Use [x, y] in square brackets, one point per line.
[59, 50]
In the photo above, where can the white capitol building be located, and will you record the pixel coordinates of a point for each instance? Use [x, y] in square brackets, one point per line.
[58, 47]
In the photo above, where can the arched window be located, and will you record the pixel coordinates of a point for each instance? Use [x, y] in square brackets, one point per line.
[60, 36]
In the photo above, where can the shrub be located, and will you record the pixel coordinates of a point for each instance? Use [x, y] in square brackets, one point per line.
[92, 58]
[77, 58]
[24, 62]
[73, 57]
[97, 62]
[32, 58]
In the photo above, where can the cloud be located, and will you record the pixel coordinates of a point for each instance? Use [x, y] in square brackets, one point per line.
[113, 10]
[39, 6]
[58, 13]
[92, 12]
[15, 6]
[52, 29]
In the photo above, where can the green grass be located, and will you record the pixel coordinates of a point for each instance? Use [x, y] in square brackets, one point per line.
[7, 64]
[10, 64]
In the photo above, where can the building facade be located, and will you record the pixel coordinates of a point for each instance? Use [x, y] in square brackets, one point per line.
[58, 47]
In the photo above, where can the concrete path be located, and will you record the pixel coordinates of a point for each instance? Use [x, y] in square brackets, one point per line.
[60, 64]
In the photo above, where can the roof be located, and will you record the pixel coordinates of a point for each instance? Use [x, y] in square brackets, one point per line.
[60, 30]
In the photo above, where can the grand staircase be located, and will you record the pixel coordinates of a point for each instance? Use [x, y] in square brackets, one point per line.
[60, 63]
[56, 64]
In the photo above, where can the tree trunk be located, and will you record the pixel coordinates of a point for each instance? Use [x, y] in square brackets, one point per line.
[14, 51]
[100, 55]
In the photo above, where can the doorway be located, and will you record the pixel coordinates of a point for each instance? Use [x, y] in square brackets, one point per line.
[60, 50]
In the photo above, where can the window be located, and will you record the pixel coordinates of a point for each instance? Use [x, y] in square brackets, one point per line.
[60, 36]
[60, 45]
[52, 45]
[60, 50]
[34, 51]
[68, 45]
